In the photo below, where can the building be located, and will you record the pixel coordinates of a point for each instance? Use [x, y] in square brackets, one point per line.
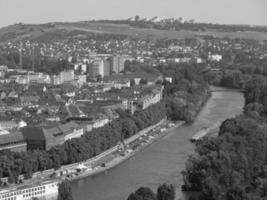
[71, 130]
[56, 80]
[8, 125]
[117, 64]
[96, 68]
[2, 74]
[66, 76]
[98, 123]
[34, 137]
[81, 79]
[3, 68]
[169, 79]
[84, 68]
[107, 67]
[33, 78]
[29, 100]
[44, 190]
[46, 138]
[13, 141]
[63, 77]
[215, 57]
[149, 99]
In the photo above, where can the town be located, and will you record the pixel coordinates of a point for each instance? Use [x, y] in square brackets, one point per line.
[104, 89]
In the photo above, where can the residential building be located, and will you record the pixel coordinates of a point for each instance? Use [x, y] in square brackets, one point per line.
[98, 123]
[66, 76]
[8, 125]
[107, 67]
[215, 57]
[169, 79]
[117, 64]
[149, 99]
[97, 68]
[2, 74]
[33, 77]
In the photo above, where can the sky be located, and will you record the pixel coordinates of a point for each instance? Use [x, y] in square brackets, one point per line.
[253, 12]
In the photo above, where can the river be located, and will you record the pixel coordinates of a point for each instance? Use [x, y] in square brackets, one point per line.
[161, 162]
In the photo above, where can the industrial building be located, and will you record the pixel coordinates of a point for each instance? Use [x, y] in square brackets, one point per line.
[46, 138]
[13, 141]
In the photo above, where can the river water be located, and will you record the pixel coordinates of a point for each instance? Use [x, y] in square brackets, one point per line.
[161, 162]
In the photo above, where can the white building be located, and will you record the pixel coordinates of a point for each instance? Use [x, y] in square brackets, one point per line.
[84, 68]
[56, 80]
[33, 77]
[169, 79]
[45, 190]
[66, 76]
[81, 79]
[76, 133]
[150, 99]
[100, 122]
[215, 57]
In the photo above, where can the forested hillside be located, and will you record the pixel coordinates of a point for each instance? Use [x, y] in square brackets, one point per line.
[233, 165]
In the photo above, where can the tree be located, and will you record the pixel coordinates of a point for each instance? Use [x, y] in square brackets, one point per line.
[159, 82]
[99, 78]
[136, 18]
[143, 193]
[134, 196]
[166, 192]
[64, 191]
[143, 82]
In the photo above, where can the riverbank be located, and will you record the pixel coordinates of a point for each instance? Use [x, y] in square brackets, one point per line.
[102, 162]
[133, 145]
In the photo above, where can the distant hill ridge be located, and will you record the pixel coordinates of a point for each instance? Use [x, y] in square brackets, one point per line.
[155, 27]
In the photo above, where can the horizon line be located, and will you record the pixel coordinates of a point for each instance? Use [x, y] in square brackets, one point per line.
[117, 19]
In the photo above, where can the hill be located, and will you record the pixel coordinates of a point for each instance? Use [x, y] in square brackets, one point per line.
[83, 29]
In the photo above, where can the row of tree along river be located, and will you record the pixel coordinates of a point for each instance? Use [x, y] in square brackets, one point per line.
[163, 161]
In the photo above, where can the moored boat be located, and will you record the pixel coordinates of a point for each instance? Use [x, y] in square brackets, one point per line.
[200, 134]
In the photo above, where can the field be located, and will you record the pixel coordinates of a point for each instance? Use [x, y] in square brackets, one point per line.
[153, 33]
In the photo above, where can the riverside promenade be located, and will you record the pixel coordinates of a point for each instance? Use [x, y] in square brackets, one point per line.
[48, 174]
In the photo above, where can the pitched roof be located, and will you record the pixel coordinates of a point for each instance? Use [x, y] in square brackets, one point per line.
[12, 137]
[61, 130]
